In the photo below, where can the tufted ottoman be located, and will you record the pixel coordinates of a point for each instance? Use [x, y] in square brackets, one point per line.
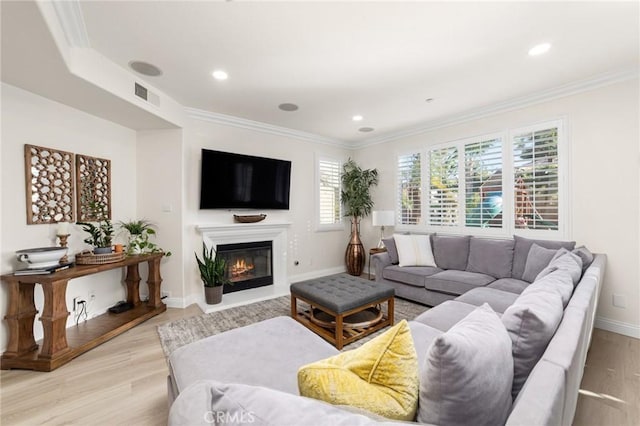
[352, 304]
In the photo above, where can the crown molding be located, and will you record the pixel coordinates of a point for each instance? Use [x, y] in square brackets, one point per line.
[509, 105]
[72, 22]
[258, 126]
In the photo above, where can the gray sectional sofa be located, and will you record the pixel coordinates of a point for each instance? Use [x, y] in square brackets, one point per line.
[249, 374]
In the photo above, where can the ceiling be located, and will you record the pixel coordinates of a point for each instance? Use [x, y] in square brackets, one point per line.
[381, 60]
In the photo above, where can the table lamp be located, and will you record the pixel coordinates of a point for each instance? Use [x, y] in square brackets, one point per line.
[383, 218]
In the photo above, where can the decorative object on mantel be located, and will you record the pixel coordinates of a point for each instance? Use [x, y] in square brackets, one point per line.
[253, 218]
[138, 239]
[356, 199]
[212, 272]
[89, 258]
[93, 177]
[41, 257]
[101, 234]
[49, 185]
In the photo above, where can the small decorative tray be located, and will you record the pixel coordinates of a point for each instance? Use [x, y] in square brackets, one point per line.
[88, 258]
[249, 218]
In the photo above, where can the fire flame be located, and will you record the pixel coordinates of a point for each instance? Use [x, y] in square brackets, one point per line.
[240, 268]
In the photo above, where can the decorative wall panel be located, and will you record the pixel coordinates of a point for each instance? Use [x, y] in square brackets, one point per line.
[93, 177]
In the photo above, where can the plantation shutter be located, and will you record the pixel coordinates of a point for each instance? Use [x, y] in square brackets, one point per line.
[483, 184]
[409, 189]
[535, 160]
[330, 211]
[443, 187]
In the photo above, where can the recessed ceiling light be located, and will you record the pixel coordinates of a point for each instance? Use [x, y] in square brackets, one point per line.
[539, 49]
[366, 129]
[220, 75]
[357, 118]
[288, 107]
[145, 68]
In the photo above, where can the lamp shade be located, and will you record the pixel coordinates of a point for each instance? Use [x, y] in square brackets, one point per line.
[383, 218]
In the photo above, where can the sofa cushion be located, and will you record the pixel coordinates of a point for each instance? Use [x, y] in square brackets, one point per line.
[499, 300]
[456, 282]
[412, 275]
[214, 403]
[566, 261]
[558, 281]
[285, 345]
[423, 337]
[511, 285]
[445, 315]
[390, 244]
[537, 260]
[521, 251]
[380, 376]
[490, 257]
[414, 250]
[468, 373]
[531, 322]
[585, 255]
[451, 252]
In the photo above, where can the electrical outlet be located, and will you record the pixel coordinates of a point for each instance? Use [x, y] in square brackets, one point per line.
[75, 303]
[619, 300]
[92, 296]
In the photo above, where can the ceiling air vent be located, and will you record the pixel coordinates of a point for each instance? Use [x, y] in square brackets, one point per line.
[147, 95]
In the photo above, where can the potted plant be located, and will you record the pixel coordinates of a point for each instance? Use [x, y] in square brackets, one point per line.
[101, 233]
[212, 273]
[356, 199]
[138, 239]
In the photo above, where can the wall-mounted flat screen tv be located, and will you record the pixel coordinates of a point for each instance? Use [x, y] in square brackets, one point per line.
[235, 181]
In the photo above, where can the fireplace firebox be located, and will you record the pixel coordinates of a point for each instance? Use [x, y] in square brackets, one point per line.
[248, 265]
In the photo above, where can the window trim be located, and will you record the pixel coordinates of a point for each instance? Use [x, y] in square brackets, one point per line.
[326, 227]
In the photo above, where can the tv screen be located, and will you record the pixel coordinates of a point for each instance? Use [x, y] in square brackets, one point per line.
[230, 180]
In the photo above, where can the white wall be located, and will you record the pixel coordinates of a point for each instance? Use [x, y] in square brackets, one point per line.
[604, 200]
[316, 252]
[31, 119]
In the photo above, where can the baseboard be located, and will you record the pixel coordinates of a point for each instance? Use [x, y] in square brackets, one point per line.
[316, 274]
[175, 302]
[624, 328]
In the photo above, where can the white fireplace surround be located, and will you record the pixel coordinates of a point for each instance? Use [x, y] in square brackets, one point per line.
[234, 233]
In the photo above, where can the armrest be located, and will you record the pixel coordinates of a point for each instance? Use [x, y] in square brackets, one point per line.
[381, 261]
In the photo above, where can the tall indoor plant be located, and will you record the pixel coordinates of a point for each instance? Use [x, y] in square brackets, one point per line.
[356, 199]
[212, 273]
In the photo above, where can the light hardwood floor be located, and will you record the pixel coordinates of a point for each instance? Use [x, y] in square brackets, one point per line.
[124, 382]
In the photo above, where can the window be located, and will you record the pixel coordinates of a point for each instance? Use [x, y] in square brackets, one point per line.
[490, 185]
[483, 183]
[443, 187]
[329, 207]
[535, 163]
[409, 189]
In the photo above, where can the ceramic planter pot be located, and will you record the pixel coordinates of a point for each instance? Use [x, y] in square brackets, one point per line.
[102, 250]
[213, 295]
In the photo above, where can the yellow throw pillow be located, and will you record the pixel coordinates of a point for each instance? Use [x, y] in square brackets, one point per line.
[381, 376]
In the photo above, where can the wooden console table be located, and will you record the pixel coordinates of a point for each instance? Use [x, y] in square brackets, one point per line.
[60, 345]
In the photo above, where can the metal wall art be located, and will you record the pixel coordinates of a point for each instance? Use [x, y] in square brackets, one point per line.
[93, 177]
[49, 185]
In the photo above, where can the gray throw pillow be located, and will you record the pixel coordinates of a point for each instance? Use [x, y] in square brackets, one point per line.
[468, 373]
[537, 260]
[531, 322]
[490, 257]
[585, 255]
[451, 252]
[521, 251]
[559, 281]
[390, 244]
[566, 261]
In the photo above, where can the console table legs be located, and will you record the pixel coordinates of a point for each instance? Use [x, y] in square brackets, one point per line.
[54, 319]
[133, 284]
[20, 318]
[154, 282]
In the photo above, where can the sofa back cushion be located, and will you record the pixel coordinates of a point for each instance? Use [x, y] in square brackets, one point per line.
[468, 373]
[558, 281]
[451, 252]
[531, 322]
[490, 257]
[564, 261]
[521, 252]
[390, 244]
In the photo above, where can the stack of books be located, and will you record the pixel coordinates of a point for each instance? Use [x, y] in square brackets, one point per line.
[40, 271]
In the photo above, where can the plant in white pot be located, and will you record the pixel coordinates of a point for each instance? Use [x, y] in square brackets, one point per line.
[212, 273]
[138, 239]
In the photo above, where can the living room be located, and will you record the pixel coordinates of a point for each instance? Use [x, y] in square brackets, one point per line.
[61, 94]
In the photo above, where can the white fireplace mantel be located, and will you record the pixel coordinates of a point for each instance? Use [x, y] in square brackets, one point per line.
[234, 233]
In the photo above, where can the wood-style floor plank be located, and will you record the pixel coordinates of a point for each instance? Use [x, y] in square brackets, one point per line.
[123, 381]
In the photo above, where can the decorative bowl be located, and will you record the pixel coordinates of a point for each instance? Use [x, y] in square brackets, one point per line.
[253, 218]
[42, 257]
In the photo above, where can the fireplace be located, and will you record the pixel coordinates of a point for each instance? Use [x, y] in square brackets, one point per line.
[248, 265]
